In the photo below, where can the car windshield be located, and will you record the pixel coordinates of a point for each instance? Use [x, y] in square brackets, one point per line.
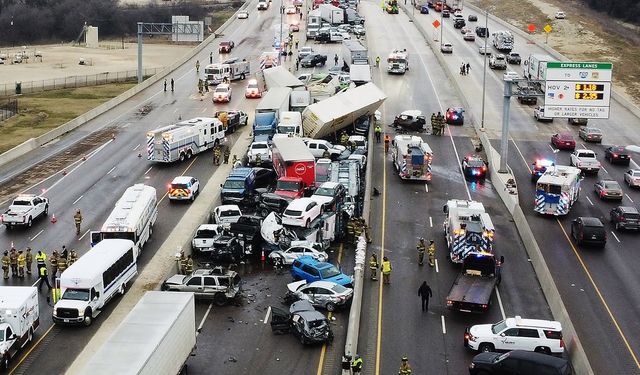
[233, 184]
[611, 185]
[498, 327]
[566, 137]
[179, 186]
[293, 213]
[252, 86]
[76, 294]
[329, 272]
[229, 213]
[327, 192]
[288, 185]
[476, 163]
[206, 233]
[287, 129]
[221, 90]
[259, 146]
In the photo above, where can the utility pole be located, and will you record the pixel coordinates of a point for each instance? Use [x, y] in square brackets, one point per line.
[484, 66]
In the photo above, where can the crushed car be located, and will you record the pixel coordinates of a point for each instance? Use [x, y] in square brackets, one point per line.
[303, 321]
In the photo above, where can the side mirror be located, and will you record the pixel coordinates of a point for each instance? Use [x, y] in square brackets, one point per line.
[220, 185]
[95, 299]
[502, 335]
[501, 259]
[445, 209]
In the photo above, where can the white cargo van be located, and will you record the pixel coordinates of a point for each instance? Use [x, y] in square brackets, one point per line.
[290, 124]
[89, 283]
[19, 318]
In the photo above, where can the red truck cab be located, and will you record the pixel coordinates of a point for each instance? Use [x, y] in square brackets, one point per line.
[295, 166]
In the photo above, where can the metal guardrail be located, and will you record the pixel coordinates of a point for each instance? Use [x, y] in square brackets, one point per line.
[29, 87]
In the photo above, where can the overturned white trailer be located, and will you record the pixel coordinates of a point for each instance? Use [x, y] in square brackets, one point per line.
[341, 110]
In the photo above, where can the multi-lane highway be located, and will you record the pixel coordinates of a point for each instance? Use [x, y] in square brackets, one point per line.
[598, 286]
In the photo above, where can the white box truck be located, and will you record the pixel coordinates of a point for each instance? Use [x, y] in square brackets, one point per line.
[354, 53]
[331, 14]
[290, 124]
[156, 337]
[19, 318]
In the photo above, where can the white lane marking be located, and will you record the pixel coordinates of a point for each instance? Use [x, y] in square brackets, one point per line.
[148, 170]
[426, 187]
[500, 304]
[76, 201]
[635, 166]
[34, 237]
[437, 268]
[175, 110]
[85, 233]
[203, 319]
[444, 327]
[628, 197]
[126, 125]
[582, 145]
[266, 317]
[430, 221]
[37, 281]
[44, 191]
[605, 171]
[614, 236]
[111, 170]
[589, 200]
[455, 149]
[135, 148]
[551, 147]
[521, 155]
[204, 110]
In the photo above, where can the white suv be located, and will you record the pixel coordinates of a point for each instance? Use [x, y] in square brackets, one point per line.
[544, 336]
[184, 188]
[301, 212]
[222, 93]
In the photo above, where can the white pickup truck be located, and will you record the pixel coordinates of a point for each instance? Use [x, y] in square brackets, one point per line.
[204, 237]
[25, 209]
[585, 160]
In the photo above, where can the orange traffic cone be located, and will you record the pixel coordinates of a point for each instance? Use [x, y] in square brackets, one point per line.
[53, 219]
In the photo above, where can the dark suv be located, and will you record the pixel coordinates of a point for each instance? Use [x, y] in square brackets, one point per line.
[624, 217]
[459, 23]
[482, 31]
[313, 60]
[617, 155]
[519, 362]
[588, 231]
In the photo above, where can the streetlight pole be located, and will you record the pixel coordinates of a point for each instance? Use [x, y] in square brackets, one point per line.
[281, 41]
[441, 25]
[484, 66]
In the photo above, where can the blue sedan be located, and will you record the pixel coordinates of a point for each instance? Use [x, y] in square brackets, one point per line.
[424, 9]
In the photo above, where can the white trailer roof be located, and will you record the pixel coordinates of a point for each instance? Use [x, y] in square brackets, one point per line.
[341, 110]
[12, 297]
[293, 148]
[130, 208]
[132, 344]
[92, 265]
[274, 98]
[279, 76]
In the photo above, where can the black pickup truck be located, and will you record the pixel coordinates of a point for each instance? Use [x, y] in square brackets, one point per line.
[472, 289]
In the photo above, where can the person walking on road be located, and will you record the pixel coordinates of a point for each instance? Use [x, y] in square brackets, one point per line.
[356, 365]
[6, 262]
[77, 219]
[210, 57]
[421, 248]
[54, 264]
[73, 257]
[467, 68]
[378, 131]
[197, 66]
[42, 272]
[425, 293]
[373, 266]
[432, 253]
[387, 140]
[165, 85]
[405, 368]
[386, 270]
[188, 267]
[171, 84]
[227, 153]
[335, 59]
[13, 259]
[29, 260]
[22, 262]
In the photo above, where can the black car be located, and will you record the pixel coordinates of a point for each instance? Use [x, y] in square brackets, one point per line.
[588, 231]
[482, 31]
[474, 167]
[313, 60]
[446, 13]
[307, 324]
[514, 58]
[519, 362]
[459, 23]
[410, 120]
[454, 116]
[270, 202]
[617, 155]
[472, 18]
[578, 121]
[526, 95]
[625, 217]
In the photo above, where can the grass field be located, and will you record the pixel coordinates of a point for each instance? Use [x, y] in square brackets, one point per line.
[41, 112]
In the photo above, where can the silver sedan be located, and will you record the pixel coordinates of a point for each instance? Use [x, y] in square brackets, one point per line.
[589, 134]
[324, 294]
[295, 252]
[632, 177]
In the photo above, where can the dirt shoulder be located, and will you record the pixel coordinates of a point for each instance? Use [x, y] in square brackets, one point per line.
[584, 35]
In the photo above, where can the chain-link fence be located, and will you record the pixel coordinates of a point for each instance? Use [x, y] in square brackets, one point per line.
[29, 87]
[8, 108]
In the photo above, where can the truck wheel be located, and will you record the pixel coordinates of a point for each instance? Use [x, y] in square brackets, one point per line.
[46, 210]
[182, 156]
[189, 154]
[88, 319]
[485, 348]
[122, 289]
[219, 299]
[5, 361]
[543, 350]
[242, 76]
[30, 338]
[30, 222]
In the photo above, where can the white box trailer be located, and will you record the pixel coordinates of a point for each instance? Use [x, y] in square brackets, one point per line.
[354, 53]
[19, 318]
[157, 337]
[341, 110]
[360, 74]
[183, 140]
[331, 14]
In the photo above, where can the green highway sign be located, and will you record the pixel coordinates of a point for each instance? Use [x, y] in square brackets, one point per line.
[579, 65]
